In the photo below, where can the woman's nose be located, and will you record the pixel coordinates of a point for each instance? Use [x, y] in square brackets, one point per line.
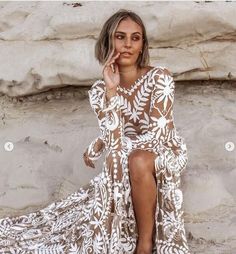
[127, 42]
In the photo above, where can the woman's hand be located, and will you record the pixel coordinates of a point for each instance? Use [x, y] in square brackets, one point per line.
[87, 161]
[111, 74]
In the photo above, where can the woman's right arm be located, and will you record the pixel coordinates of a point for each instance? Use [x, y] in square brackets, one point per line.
[107, 109]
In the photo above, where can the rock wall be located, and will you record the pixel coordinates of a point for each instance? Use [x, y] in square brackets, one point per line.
[44, 45]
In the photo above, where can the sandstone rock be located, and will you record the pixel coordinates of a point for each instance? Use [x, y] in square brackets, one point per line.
[45, 45]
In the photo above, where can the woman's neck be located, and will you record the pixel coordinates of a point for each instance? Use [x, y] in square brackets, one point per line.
[128, 74]
[127, 69]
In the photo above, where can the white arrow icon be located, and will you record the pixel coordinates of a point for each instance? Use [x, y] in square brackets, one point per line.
[8, 146]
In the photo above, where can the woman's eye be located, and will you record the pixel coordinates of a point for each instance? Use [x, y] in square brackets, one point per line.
[121, 37]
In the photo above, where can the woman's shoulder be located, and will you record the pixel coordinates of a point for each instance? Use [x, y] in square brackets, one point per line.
[158, 69]
[162, 77]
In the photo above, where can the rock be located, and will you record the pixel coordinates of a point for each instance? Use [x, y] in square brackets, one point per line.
[45, 45]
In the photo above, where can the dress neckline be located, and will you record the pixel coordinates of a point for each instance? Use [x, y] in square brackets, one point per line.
[136, 83]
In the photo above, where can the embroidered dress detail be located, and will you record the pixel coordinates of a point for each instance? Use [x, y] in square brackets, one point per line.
[99, 217]
[136, 84]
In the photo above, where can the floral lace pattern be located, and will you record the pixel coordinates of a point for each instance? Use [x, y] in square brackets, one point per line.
[99, 217]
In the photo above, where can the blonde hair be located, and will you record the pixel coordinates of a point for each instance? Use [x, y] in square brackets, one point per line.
[104, 45]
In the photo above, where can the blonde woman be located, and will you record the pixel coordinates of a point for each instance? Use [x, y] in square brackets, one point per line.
[135, 204]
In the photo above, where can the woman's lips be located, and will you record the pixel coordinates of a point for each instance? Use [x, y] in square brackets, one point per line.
[126, 54]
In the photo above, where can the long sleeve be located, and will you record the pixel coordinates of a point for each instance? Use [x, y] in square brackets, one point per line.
[108, 114]
[161, 136]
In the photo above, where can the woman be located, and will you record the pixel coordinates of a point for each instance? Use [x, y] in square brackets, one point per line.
[134, 205]
[132, 102]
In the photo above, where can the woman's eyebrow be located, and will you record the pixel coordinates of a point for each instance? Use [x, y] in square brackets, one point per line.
[125, 33]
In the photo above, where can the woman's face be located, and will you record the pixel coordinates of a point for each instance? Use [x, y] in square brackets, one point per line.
[128, 38]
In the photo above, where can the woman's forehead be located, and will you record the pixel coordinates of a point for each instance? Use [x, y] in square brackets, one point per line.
[128, 25]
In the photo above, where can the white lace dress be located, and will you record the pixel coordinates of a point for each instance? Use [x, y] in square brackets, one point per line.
[99, 217]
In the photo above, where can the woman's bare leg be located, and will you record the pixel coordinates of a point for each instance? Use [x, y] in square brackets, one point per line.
[144, 196]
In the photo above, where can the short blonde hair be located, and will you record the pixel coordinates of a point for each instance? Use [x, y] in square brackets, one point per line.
[104, 44]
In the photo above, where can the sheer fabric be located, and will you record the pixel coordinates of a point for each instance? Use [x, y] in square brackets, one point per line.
[99, 217]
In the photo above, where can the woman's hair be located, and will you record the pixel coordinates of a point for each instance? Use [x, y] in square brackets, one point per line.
[104, 44]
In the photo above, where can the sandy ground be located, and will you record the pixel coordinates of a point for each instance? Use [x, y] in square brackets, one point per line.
[52, 129]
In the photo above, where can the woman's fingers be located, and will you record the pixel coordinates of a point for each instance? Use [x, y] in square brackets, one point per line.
[112, 60]
[87, 161]
[91, 163]
[111, 55]
[115, 57]
[112, 63]
[116, 68]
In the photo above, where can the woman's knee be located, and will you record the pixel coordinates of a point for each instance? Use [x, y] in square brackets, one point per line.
[141, 163]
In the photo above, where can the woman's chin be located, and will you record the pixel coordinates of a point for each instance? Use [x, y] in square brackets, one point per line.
[125, 62]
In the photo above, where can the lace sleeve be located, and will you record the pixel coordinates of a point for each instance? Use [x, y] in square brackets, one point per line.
[108, 114]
